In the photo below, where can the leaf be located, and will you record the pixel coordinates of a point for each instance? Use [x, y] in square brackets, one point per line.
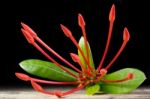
[92, 89]
[46, 70]
[126, 86]
[82, 45]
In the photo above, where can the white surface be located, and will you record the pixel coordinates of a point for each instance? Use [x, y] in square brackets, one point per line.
[24, 93]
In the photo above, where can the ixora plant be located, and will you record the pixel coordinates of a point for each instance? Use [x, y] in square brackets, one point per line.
[88, 77]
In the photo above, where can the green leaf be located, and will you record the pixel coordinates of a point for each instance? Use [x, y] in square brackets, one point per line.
[126, 86]
[92, 89]
[46, 70]
[82, 45]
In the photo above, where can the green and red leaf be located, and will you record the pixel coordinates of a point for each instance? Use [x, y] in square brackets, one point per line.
[82, 45]
[126, 86]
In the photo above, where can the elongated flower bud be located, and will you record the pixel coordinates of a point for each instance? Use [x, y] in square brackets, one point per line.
[112, 13]
[126, 34]
[66, 31]
[22, 76]
[37, 87]
[27, 28]
[81, 21]
[28, 36]
[74, 57]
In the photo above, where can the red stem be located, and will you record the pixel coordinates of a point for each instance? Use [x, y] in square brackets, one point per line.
[77, 59]
[102, 73]
[116, 56]
[86, 45]
[81, 23]
[57, 55]
[89, 66]
[34, 35]
[129, 76]
[53, 82]
[126, 37]
[111, 22]
[27, 78]
[106, 48]
[30, 39]
[74, 90]
[69, 34]
[51, 59]
[37, 87]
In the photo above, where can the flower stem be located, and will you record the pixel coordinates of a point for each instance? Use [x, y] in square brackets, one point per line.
[57, 55]
[129, 76]
[102, 73]
[27, 78]
[81, 23]
[68, 33]
[51, 59]
[30, 39]
[126, 37]
[38, 88]
[74, 90]
[111, 22]
[53, 82]
[77, 59]
[34, 35]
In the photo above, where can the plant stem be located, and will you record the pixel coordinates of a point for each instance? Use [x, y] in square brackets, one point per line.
[81, 23]
[54, 82]
[129, 76]
[126, 37]
[51, 59]
[68, 33]
[77, 59]
[74, 90]
[57, 55]
[116, 56]
[34, 35]
[111, 22]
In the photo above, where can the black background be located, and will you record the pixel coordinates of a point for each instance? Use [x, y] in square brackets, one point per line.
[45, 19]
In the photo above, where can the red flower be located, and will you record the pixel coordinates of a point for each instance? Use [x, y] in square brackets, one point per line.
[87, 75]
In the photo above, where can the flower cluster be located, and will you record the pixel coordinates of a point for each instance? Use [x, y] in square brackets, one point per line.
[87, 75]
